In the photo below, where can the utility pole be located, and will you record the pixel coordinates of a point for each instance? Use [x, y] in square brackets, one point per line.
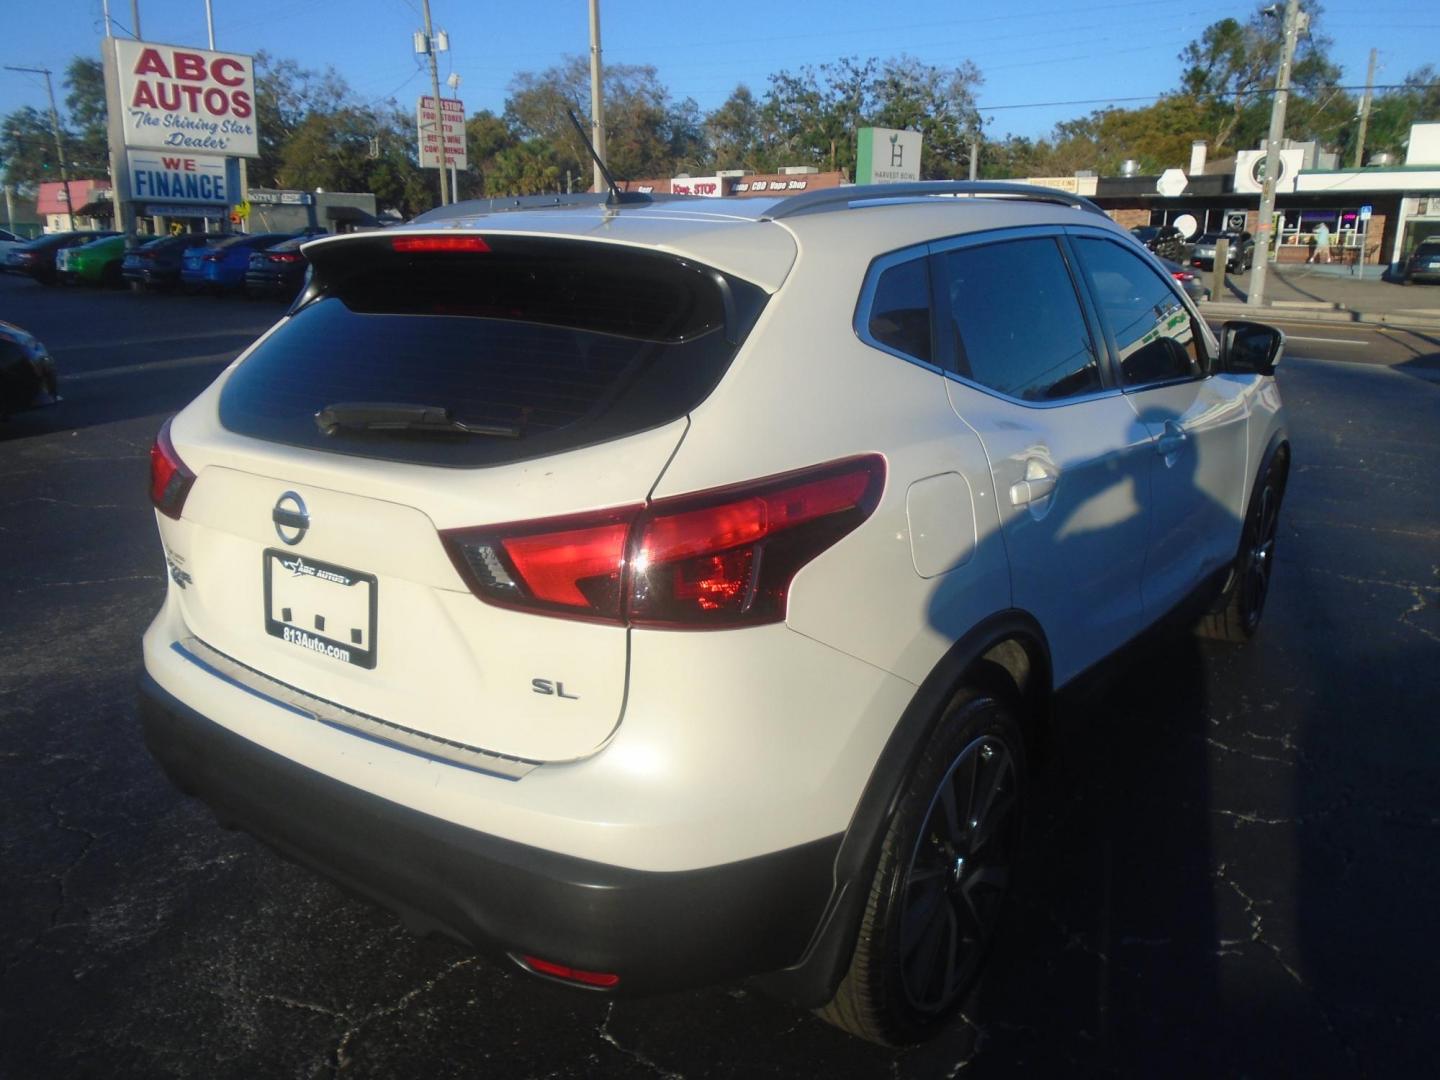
[1295, 22]
[597, 96]
[135, 19]
[244, 162]
[974, 155]
[1365, 112]
[59, 142]
[439, 110]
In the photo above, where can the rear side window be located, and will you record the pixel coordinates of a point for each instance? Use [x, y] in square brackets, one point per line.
[900, 309]
[559, 344]
[1016, 320]
[1152, 330]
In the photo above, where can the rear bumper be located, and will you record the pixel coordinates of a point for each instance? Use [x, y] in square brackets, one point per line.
[658, 931]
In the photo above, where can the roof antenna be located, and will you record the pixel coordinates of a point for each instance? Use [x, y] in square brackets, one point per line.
[616, 196]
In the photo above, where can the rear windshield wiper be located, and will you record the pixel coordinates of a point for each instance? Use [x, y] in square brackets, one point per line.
[388, 416]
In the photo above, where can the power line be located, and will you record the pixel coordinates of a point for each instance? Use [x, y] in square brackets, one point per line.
[1215, 94]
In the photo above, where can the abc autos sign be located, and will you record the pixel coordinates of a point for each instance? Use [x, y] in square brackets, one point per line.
[186, 100]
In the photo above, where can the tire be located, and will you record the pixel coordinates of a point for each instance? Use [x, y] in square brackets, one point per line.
[1236, 615]
[111, 277]
[941, 880]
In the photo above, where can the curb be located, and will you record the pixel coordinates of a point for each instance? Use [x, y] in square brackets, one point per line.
[1323, 313]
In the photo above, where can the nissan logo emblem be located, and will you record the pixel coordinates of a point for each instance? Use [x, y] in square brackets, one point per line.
[291, 518]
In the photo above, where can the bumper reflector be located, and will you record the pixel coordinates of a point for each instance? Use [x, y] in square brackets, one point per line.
[569, 974]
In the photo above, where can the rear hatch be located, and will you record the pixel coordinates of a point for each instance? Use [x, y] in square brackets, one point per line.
[416, 391]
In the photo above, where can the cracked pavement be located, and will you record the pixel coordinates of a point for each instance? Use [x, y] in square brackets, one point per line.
[1231, 864]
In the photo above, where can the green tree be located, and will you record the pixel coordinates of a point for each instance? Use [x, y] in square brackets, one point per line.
[27, 148]
[937, 102]
[1391, 114]
[1233, 66]
[735, 134]
[812, 115]
[286, 96]
[486, 136]
[88, 145]
[646, 133]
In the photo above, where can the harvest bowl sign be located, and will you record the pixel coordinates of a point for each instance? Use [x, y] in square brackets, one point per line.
[186, 100]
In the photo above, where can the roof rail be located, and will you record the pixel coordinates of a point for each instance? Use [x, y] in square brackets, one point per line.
[502, 203]
[814, 202]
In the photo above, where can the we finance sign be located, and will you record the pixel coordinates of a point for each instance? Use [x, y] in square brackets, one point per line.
[185, 100]
[176, 178]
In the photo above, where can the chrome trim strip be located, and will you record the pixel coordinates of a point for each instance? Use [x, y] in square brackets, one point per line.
[306, 705]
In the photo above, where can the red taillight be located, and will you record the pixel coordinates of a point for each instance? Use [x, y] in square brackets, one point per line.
[569, 974]
[716, 559]
[285, 257]
[439, 243]
[170, 479]
[1182, 275]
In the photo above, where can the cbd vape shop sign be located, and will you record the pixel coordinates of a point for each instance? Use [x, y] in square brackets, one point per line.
[185, 100]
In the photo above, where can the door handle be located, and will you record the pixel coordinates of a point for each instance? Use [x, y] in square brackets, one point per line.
[1036, 486]
[1171, 441]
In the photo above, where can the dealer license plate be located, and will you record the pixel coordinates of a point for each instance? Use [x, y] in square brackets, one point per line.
[320, 607]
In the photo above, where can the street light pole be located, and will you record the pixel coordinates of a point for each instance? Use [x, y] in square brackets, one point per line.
[59, 141]
[1265, 228]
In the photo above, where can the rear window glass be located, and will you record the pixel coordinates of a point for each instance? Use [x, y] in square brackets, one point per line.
[900, 311]
[566, 344]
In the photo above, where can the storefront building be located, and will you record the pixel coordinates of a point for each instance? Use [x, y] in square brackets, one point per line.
[1373, 215]
[85, 202]
[737, 184]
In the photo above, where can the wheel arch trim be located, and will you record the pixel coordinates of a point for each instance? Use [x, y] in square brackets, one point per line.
[988, 652]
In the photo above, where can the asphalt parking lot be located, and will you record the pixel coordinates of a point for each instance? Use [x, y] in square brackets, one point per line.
[1232, 865]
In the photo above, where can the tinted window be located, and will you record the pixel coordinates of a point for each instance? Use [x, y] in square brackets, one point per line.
[1016, 321]
[900, 311]
[569, 344]
[1154, 336]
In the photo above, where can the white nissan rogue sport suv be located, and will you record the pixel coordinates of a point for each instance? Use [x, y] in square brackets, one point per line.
[666, 592]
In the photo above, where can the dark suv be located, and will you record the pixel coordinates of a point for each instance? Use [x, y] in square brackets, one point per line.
[1166, 241]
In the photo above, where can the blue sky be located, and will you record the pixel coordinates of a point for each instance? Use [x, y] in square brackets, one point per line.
[1052, 52]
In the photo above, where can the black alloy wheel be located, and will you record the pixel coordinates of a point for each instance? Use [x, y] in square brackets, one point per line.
[943, 874]
[958, 876]
[1236, 615]
[1259, 556]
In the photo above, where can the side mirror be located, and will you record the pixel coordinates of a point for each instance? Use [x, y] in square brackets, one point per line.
[1248, 348]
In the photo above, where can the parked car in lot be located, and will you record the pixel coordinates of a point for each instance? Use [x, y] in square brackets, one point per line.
[1424, 262]
[156, 263]
[37, 258]
[1190, 281]
[1241, 255]
[1166, 241]
[278, 270]
[96, 263]
[221, 264]
[608, 586]
[9, 241]
[27, 374]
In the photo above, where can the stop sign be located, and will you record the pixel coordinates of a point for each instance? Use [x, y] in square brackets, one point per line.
[1171, 183]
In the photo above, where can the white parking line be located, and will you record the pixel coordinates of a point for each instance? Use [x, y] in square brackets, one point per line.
[1326, 340]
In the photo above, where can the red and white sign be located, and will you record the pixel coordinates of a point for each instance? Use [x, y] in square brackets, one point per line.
[430, 132]
[710, 186]
[186, 100]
